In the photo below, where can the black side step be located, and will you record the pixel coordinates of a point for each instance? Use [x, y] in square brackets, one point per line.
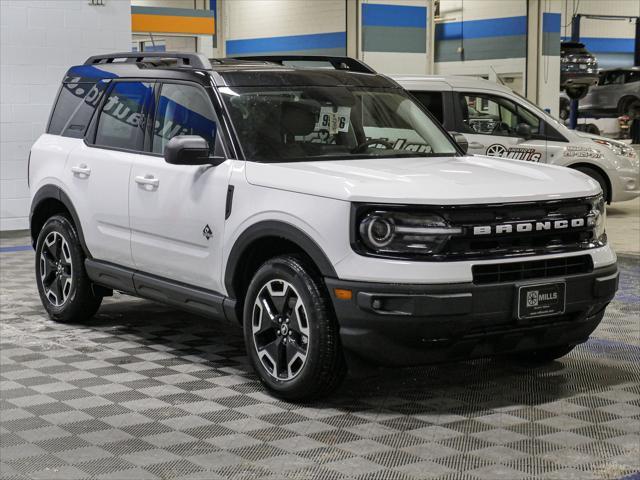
[152, 287]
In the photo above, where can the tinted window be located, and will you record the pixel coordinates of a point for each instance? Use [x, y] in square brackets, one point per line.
[613, 78]
[432, 101]
[121, 121]
[183, 110]
[74, 108]
[492, 115]
[288, 123]
[632, 76]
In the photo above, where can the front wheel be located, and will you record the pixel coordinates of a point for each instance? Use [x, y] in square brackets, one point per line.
[290, 331]
[64, 287]
[598, 177]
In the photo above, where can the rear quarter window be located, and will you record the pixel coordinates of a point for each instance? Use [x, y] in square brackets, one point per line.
[74, 108]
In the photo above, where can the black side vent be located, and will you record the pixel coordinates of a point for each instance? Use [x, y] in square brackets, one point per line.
[513, 272]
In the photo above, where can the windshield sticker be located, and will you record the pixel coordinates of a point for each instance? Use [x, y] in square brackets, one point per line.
[515, 153]
[334, 120]
[575, 151]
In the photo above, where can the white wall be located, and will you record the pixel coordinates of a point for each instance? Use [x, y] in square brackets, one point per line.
[464, 11]
[400, 62]
[277, 18]
[40, 40]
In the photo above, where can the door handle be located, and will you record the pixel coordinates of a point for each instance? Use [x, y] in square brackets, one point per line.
[147, 180]
[81, 169]
[476, 145]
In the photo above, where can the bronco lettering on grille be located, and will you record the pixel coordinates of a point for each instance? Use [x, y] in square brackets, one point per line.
[524, 227]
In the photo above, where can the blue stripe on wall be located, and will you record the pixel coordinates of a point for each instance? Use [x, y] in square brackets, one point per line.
[490, 27]
[551, 22]
[606, 45]
[288, 43]
[376, 15]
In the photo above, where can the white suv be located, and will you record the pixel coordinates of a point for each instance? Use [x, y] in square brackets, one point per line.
[322, 209]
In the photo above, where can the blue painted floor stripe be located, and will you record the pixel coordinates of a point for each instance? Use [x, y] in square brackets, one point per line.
[19, 248]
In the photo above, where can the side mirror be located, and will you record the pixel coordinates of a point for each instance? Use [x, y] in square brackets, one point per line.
[523, 131]
[189, 150]
[461, 140]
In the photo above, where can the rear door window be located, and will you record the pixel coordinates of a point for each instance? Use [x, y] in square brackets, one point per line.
[74, 108]
[122, 119]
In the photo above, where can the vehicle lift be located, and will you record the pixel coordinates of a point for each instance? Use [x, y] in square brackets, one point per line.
[575, 37]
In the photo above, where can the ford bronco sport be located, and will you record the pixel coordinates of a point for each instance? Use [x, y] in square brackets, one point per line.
[322, 209]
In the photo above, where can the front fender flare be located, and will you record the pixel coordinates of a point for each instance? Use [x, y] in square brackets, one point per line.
[272, 228]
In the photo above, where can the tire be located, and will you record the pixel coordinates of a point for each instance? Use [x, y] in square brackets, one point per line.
[577, 93]
[598, 177]
[64, 287]
[290, 331]
[628, 106]
[543, 356]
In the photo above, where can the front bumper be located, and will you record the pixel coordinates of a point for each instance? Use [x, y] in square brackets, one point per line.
[420, 324]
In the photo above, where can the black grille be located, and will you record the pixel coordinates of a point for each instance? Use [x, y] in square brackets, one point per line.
[470, 246]
[516, 271]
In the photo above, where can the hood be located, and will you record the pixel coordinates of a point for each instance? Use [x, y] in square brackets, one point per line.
[598, 137]
[440, 181]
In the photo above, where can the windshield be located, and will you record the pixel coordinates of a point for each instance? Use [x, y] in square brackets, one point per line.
[276, 124]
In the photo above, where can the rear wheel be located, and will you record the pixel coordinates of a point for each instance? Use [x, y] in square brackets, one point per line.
[290, 331]
[598, 177]
[63, 285]
[542, 356]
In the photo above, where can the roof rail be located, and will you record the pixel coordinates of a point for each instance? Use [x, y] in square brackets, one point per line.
[339, 63]
[194, 60]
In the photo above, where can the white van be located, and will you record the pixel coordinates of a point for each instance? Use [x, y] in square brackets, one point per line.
[498, 122]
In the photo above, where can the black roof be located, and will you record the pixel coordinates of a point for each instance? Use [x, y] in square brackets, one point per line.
[257, 71]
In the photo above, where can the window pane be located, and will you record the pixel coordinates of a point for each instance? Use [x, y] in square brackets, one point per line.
[183, 110]
[289, 123]
[74, 108]
[495, 116]
[432, 101]
[121, 122]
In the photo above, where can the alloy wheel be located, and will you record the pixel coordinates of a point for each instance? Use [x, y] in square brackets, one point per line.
[280, 330]
[56, 269]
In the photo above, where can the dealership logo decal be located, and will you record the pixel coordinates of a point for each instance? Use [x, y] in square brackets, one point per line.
[534, 297]
[524, 227]
[515, 153]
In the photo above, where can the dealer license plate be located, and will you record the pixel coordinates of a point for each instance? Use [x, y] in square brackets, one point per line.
[541, 300]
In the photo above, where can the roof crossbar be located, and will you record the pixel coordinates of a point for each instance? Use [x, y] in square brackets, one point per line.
[339, 63]
[194, 60]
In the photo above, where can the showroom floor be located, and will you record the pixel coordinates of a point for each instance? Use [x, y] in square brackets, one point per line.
[145, 391]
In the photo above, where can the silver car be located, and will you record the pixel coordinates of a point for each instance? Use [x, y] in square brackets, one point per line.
[617, 92]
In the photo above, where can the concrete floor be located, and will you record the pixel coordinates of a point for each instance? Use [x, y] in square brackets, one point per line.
[147, 392]
[623, 226]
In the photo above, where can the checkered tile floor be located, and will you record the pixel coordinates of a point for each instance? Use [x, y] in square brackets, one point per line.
[147, 392]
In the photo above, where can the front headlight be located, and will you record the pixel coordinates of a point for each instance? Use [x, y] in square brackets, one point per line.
[619, 149]
[598, 219]
[389, 232]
